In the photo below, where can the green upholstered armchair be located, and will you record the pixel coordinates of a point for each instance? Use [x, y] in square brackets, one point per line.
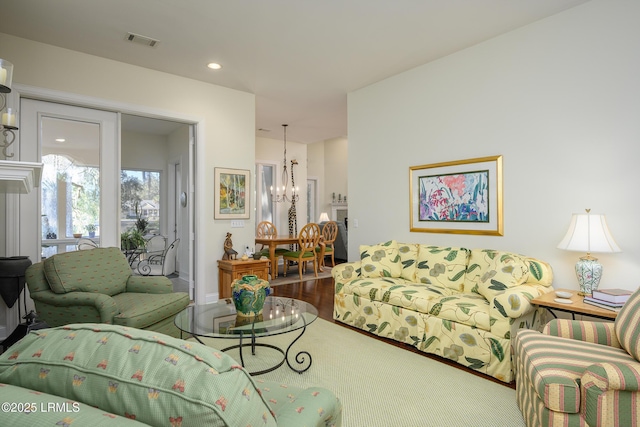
[97, 286]
[580, 373]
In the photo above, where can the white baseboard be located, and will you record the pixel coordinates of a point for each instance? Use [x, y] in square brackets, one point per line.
[209, 298]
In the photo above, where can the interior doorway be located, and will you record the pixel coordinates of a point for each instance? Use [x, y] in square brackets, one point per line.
[165, 145]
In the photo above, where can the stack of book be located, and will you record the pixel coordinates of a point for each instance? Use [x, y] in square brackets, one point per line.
[610, 299]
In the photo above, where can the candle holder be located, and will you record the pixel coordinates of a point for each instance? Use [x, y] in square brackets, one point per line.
[10, 117]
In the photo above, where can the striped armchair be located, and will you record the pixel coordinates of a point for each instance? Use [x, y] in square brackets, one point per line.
[579, 373]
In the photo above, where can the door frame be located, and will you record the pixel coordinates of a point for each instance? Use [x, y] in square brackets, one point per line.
[196, 131]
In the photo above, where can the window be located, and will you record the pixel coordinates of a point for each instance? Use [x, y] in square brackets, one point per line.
[140, 201]
[70, 205]
[264, 182]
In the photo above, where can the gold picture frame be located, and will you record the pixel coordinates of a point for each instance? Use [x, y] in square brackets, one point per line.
[459, 197]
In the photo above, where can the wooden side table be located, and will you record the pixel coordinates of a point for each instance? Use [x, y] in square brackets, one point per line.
[578, 306]
[230, 270]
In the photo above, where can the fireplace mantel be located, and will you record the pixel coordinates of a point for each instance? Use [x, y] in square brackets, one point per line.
[19, 177]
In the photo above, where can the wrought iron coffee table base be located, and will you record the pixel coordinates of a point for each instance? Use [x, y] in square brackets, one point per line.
[302, 358]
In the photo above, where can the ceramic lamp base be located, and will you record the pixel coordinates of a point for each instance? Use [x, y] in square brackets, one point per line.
[589, 272]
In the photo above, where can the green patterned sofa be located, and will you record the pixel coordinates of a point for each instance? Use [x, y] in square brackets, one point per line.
[96, 286]
[106, 375]
[580, 373]
[464, 305]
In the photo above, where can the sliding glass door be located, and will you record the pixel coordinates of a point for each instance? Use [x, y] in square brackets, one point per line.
[79, 193]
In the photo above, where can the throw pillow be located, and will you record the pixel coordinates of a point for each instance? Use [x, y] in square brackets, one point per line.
[627, 325]
[492, 272]
[409, 260]
[102, 270]
[381, 260]
[442, 266]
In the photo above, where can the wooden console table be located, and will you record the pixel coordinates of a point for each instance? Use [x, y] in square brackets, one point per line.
[230, 270]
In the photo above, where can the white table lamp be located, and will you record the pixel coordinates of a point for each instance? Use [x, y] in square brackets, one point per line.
[588, 233]
[323, 217]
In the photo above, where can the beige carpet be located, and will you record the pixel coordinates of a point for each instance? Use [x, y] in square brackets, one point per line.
[382, 385]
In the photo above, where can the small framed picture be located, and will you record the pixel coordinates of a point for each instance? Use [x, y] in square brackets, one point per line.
[232, 197]
[463, 197]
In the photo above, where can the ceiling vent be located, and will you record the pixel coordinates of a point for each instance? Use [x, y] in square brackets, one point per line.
[143, 40]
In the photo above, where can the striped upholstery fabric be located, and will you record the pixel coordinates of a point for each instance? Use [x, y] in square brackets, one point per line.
[594, 332]
[628, 325]
[554, 366]
[611, 394]
[579, 373]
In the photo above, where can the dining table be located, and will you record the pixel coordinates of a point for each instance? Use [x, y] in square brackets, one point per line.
[274, 241]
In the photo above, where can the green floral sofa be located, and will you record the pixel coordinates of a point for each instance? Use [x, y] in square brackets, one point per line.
[461, 304]
[108, 375]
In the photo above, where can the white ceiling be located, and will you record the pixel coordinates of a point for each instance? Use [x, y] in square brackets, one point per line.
[299, 57]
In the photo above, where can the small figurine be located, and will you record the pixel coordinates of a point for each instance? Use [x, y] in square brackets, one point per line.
[229, 253]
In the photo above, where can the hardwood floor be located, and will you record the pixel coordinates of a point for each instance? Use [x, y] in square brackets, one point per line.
[320, 293]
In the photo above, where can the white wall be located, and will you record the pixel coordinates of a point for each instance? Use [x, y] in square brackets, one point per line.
[269, 150]
[315, 169]
[336, 167]
[143, 151]
[178, 152]
[559, 99]
[225, 117]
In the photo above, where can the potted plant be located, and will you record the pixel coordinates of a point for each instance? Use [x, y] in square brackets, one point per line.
[91, 229]
[132, 240]
[142, 224]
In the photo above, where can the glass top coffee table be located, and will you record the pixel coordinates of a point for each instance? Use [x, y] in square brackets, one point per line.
[279, 316]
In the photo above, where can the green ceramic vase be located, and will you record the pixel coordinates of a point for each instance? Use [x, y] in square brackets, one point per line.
[249, 294]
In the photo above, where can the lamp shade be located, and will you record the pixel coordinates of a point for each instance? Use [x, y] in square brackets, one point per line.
[323, 217]
[588, 233]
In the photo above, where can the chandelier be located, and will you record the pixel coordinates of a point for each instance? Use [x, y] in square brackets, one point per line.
[285, 197]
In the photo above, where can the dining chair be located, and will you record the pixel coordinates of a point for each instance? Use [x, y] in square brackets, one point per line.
[307, 241]
[329, 234]
[266, 229]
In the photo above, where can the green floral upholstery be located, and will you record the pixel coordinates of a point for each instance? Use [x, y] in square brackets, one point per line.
[76, 271]
[445, 267]
[49, 410]
[295, 407]
[97, 286]
[575, 373]
[492, 272]
[408, 258]
[155, 379]
[381, 260]
[432, 308]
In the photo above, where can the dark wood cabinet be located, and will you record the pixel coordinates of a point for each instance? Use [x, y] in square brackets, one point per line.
[230, 270]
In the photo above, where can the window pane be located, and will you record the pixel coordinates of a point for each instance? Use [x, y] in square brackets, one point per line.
[140, 201]
[264, 193]
[70, 182]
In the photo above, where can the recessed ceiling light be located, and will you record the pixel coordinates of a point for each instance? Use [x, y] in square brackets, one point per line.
[214, 65]
[60, 140]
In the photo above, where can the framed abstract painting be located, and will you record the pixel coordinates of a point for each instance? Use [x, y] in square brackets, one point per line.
[232, 193]
[463, 197]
